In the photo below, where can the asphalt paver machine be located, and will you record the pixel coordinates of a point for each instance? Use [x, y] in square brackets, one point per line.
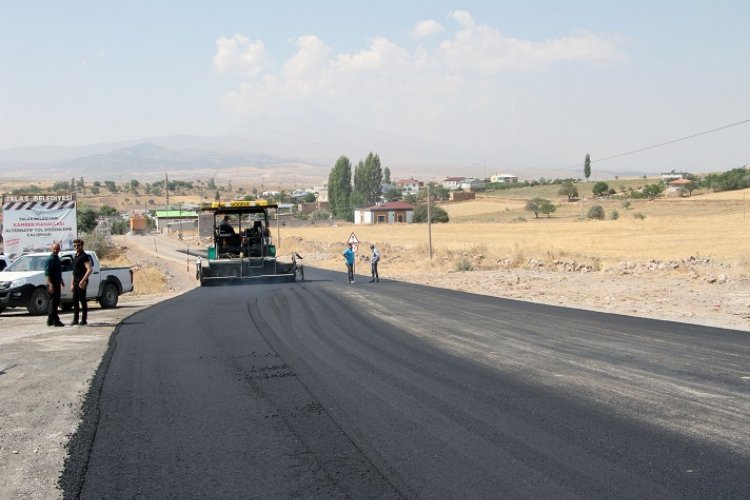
[242, 245]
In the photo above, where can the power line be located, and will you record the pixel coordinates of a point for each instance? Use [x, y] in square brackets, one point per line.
[668, 142]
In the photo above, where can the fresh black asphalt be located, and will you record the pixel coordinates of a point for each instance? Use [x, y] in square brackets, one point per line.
[320, 389]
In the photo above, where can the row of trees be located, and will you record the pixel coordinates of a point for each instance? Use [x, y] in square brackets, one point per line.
[366, 188]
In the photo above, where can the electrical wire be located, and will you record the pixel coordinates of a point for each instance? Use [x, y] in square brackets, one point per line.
[667, 142]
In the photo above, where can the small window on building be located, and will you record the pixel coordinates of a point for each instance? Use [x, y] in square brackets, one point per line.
[400, 218]
[381, 219]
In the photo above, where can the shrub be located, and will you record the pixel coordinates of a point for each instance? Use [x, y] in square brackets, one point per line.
[626, 204]
[639, 215]
[436, 213]
[99, 243]
[320, 215]
[596, 212]
[614, 215]
[464, 265]
[600, 188]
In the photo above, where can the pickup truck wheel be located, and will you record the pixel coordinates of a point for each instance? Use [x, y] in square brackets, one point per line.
[109, 297]
[39, 302]
[2, 308]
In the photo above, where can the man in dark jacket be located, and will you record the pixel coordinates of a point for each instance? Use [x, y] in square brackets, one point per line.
[82, 269]
[53, 272]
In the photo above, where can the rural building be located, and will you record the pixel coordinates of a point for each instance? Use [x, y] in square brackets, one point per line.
[676, 184]
[461, 196]
[409, 186]
[670, 176]
[472, 184]
[504, 178]
[322, 197]
[452, 183]
[168, 221]
[385, 213]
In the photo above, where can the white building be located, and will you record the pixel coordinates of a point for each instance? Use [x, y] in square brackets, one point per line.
[409, 186]
[393, 212]
[472, 184]
[504, 178]
[452, 182]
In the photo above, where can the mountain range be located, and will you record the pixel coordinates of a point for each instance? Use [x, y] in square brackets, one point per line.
[228, 157]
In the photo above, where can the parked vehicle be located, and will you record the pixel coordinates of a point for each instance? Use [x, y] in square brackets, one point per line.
[23, 284]
[4, 261]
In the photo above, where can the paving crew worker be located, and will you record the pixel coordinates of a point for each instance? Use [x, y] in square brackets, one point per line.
[82, 270]
[225, 227]
[53, 272]
[374, 259]
[349, 257]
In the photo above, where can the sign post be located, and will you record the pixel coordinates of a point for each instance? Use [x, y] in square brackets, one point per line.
[355, 246]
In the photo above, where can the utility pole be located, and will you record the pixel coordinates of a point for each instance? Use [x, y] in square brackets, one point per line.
[429, 218]
[166, 188]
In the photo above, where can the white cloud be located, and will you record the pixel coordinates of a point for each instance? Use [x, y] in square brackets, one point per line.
[252, 98]
[238, 55]
[486, 50]
[382, 56]
[464, 18]
[427, 28]
[459, 81]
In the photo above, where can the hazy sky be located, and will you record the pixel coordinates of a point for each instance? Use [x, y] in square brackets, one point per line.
[504, 85]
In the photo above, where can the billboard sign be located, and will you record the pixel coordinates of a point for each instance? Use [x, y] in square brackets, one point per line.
[32, 222]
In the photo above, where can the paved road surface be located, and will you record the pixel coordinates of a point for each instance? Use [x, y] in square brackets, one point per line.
[327, 390]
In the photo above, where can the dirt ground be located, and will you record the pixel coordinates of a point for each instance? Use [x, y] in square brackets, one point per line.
[45, 372]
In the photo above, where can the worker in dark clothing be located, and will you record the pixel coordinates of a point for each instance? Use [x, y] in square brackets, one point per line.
[225, 227]
[82, 269]
[53, 272]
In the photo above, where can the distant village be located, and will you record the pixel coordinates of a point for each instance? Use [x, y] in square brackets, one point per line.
[396, 205]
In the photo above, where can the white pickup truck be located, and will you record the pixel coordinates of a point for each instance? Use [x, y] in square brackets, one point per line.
[23, 284]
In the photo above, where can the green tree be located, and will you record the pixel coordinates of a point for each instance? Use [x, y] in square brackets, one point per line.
[368, 180]
[652, 191]
[437, 214]
[134, 186]
[310, 198]
[587, 167]
[387, 175]
[537, 205]
[106, 210]
[111, 186]
[340, 189]
[568, 189]
[690, 187]
[548, 208]
[392, 195]
[600, 188]
[120, 227]
[86, 219]
[437, 191]
[211, 184]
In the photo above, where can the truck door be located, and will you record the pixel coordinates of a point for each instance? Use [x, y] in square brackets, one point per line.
[92, 290]
[66, 262]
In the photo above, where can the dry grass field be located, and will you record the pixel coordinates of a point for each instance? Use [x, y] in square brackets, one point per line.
[714, 226]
